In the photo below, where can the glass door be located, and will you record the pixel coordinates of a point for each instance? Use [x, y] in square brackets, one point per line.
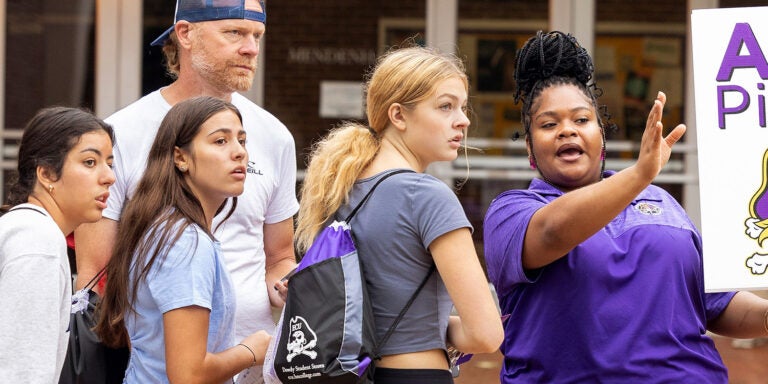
[48, 60]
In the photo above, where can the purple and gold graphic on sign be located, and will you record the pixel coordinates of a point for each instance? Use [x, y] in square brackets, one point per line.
[758, 221]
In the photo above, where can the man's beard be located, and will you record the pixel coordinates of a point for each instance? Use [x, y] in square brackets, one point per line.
[218, 72]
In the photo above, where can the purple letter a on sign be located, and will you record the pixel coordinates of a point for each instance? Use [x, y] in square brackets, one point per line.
[742, 35]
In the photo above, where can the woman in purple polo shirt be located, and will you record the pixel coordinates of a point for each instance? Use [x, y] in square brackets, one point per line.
[600, 271]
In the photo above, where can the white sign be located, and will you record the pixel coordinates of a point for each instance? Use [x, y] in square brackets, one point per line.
[341, 99]
[730, 76]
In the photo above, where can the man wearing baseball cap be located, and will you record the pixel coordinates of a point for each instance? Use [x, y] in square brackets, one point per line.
[212, 49]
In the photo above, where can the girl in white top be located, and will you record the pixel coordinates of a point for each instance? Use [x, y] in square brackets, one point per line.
[64, 173]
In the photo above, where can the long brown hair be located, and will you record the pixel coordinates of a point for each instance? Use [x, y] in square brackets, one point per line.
[161, 208]
[406, 76]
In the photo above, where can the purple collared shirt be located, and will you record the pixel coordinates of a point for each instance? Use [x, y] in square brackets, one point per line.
[625, 306]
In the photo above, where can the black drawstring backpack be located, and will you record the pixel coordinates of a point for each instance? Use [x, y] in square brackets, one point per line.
[326, 332]
[88, 360]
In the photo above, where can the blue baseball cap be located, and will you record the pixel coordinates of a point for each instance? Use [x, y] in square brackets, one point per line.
[207, 10]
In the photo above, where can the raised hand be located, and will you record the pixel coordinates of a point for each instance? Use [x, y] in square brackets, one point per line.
[655, 149]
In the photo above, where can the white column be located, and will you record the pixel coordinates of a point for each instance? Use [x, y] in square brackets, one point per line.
[441, 32]
[118, 54]
[691, 196]
[442, 24]
[576, 17]
[3, 18]
[2, 94]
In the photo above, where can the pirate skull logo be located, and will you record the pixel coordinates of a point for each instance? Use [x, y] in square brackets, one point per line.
[303, 339]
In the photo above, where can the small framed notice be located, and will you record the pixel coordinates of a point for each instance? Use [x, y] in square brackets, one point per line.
[730, 80]
[341, 99]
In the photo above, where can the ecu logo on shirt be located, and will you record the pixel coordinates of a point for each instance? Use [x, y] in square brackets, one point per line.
[647, 208]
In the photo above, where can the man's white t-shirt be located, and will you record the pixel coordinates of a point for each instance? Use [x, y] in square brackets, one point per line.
[269, 196]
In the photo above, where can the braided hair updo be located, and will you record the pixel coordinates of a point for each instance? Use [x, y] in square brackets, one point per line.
[548, 59]
[544, 56]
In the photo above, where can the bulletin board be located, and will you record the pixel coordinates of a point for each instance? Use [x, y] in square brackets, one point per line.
[632, 61]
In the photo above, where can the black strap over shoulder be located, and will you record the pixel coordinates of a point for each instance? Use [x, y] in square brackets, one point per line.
[29, 208]
[432, 269]
[367, 195]
[400, 316]
[94, 280]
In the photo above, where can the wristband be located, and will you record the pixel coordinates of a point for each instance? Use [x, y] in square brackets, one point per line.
[254, 355]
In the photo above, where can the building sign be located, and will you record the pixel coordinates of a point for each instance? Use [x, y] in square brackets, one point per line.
[331, 56]
[730, 76]
[341, 99]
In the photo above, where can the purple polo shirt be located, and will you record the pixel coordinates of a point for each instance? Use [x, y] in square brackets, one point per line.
[625, 306]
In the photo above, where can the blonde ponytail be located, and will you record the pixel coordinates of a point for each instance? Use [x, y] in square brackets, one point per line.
[336, 163]
[406, 76]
